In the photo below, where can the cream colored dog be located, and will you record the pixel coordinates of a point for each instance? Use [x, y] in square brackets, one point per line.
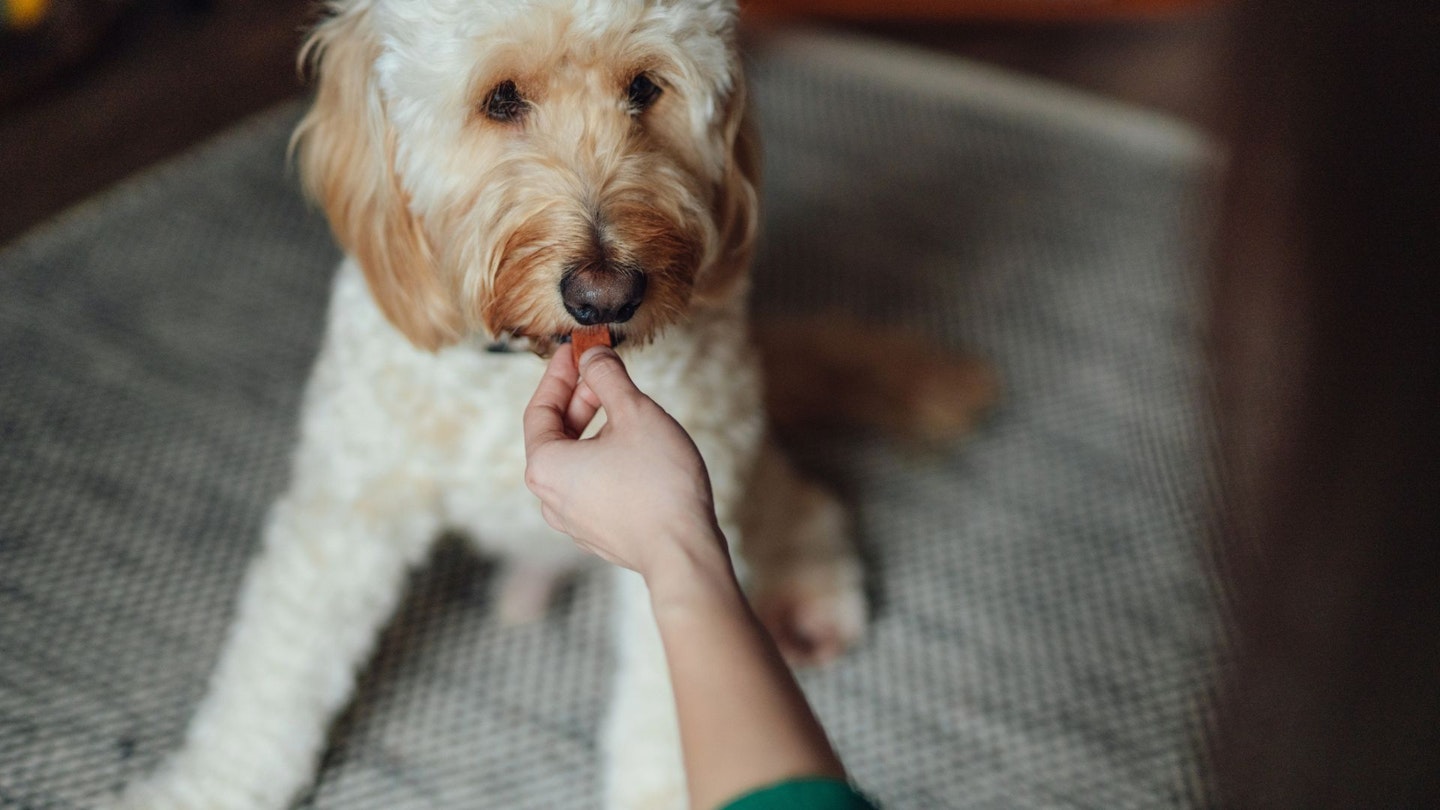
[500, 173]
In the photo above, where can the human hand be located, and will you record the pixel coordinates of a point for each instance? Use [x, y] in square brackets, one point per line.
[637, 493]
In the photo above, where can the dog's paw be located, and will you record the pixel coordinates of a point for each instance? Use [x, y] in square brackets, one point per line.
[526, 591]
[643, 767]
[815, 612]
[672, 797]
[158, 792]
[177, 785]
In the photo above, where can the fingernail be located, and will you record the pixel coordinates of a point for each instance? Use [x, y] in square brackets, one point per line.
[594, 352]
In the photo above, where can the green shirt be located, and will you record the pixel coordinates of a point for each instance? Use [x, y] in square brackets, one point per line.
[803, 794]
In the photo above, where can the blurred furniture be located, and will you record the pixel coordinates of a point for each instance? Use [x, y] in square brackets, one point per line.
[1033, 10]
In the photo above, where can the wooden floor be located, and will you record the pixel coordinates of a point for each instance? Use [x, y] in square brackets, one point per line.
[170, 75]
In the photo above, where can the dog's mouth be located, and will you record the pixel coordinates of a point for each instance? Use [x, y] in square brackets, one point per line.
[616, 338]
[515, 341]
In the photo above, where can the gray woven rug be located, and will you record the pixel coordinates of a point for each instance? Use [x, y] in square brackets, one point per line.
[1044, 617]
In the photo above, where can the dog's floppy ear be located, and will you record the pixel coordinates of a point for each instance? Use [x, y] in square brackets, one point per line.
[737, 206]
[346, 150]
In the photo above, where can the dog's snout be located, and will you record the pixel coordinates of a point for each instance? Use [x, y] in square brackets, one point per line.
[602, 293]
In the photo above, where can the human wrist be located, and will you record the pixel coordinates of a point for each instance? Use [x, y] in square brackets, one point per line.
[691, 570]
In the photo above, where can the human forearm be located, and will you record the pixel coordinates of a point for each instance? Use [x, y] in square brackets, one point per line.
[637, 495]
[743, 720]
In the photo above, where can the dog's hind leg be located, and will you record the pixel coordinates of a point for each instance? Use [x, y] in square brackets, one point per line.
[328, 576]
[526, 590]
[831, 371]
[805, 579]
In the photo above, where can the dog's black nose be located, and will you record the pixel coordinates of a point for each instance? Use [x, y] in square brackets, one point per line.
[601, 293]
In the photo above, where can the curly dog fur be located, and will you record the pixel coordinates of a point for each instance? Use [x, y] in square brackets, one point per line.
[499, 173]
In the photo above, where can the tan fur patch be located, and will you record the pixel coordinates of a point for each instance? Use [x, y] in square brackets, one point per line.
[347, 154]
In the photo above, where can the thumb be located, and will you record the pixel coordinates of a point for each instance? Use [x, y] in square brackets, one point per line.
[605, 374]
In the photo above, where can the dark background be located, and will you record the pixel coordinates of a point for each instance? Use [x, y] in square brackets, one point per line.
[129, 84]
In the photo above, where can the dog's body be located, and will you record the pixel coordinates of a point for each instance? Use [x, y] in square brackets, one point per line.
[502, 171]
[398, 444]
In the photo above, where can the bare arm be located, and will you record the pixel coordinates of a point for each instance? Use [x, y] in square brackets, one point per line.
[637, 494]
[743, 720]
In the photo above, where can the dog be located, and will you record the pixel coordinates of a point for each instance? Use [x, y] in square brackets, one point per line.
[500, 174]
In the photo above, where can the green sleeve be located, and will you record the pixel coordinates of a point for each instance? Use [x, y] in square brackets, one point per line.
[803, 794]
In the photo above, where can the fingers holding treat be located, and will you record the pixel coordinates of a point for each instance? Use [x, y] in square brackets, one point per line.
[584, 403]
[583, 407]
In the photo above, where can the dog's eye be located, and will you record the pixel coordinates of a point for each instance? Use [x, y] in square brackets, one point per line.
[504, 103]
[643, 92]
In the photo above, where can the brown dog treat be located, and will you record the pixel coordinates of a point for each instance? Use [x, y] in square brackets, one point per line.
[587, 337]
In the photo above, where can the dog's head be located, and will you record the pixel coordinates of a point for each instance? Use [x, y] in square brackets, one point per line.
[525, 168]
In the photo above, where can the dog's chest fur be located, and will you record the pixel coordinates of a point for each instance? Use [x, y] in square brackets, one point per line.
[383, 417]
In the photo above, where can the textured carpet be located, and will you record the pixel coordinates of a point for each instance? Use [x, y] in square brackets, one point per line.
[1044, 617]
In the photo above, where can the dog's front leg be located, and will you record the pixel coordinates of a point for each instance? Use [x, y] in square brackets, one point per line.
[643, 769]
[328, 575]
